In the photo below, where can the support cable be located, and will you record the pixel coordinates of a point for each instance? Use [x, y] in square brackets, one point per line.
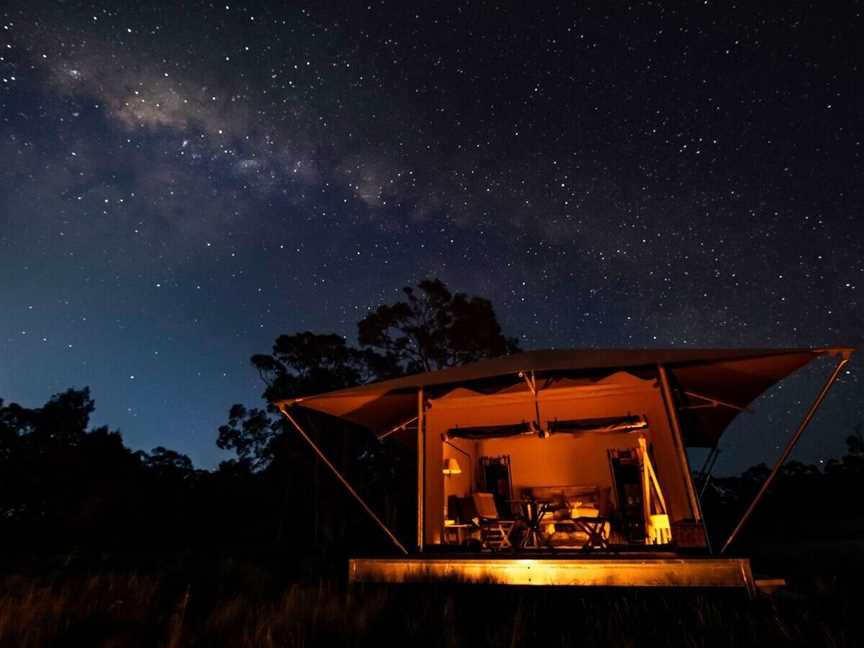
[342, 479]
[793, 441]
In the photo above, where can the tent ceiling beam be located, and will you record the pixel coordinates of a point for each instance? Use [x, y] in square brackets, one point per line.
[713, 402]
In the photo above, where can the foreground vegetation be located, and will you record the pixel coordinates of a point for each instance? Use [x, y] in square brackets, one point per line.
[132, 610]
[243, 604]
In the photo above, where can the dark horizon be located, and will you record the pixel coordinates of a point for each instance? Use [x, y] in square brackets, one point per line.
[182, 186]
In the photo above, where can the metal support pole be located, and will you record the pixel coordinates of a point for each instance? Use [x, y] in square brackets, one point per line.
[646, 488]
[344, 481]
[398, 428]
[531, 381]
[788, 449]
[709, 462]
[421, 469]
[677, 435]
[678, 440]
[707, 480]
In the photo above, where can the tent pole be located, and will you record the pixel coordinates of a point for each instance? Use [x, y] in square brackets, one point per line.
[339, 476]
[707, 479]
[646, 486]
[421, 468]
[793, 441]
[398, 428]
[709, 462]
[678, 437]
[531, 381]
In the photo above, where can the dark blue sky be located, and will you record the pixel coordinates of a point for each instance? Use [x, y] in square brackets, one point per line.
[179, 186]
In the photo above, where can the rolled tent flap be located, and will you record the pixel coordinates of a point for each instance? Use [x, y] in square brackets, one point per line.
[612, 424]
[713, 384]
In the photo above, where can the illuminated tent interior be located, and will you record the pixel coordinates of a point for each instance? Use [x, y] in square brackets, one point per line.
[564, 448]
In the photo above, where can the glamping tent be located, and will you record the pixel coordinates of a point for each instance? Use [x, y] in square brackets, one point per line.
[564, 466]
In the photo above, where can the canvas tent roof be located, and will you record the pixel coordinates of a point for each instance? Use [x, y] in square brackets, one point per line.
[730, 378]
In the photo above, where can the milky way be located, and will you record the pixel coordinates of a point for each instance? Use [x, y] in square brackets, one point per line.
[180, 185]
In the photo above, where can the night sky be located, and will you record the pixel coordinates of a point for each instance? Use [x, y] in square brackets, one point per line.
[178, 186]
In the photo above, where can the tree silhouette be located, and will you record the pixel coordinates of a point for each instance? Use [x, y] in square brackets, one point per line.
[300, 364]
[311, 363]
[65, 486]
[433, 329]
[163, 460]
[250, 434]
[56, 475]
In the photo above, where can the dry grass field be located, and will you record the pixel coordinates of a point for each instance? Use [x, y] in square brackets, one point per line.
[242, 605]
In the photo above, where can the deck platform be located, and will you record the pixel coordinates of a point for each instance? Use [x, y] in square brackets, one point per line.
[603, 571]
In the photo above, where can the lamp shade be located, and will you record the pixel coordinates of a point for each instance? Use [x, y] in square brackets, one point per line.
[451, 467]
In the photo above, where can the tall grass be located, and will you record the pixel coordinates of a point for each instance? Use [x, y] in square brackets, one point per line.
[129, 609]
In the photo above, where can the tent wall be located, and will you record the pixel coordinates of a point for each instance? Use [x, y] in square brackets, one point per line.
[561, 459]
[433, 492]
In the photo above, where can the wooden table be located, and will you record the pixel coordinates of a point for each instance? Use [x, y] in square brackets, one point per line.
[535, 509]
[593, 527]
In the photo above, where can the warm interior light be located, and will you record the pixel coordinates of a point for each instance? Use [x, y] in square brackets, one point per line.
[451, 467]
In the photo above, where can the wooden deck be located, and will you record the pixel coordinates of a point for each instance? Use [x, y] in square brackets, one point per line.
[620, 571]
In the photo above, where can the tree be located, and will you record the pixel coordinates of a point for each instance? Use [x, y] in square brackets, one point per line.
[251, 434]
[163, 460]
[65, 417]
[855, 442]
[311, 363]
[62, 421]
[433, 329]
[300, 364]
[58, 475]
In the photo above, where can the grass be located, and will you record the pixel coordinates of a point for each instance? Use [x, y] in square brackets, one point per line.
[241, 606]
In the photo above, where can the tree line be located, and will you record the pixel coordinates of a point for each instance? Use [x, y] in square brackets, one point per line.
[64, 485]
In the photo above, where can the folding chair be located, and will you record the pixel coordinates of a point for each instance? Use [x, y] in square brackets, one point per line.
[494, 532]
